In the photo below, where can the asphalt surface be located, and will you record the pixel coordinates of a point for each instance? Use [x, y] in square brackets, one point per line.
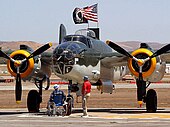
[97, 118]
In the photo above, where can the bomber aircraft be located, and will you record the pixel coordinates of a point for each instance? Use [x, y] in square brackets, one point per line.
[82, 54]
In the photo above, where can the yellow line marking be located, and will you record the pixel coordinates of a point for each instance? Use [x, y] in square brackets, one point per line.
[137, 116]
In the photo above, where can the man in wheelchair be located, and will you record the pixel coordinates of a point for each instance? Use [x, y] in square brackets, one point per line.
[57, 105]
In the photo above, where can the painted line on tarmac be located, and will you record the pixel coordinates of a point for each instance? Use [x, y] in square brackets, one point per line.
[28, 115]
[137, 116]
[124, 116]
[146, 116]
[52, 121]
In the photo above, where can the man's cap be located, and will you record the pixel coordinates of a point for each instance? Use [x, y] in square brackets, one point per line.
[86, 78]
[56, 86]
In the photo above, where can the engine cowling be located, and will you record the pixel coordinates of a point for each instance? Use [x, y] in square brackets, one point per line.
[153, 69]
[26, 68]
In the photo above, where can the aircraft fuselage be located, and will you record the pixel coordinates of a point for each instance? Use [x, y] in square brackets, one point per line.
[79, 55]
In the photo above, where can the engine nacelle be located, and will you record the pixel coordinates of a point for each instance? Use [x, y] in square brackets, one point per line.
[28, 68]
[158, 73]
[153, 70]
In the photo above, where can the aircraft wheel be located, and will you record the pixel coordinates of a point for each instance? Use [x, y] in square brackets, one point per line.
[33, 101]
[151, 101]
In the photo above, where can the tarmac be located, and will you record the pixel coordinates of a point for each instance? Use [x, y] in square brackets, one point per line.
[97, 117]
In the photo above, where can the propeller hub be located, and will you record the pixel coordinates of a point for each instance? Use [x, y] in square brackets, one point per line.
[17, 63]
[25, 67]
[140, 62]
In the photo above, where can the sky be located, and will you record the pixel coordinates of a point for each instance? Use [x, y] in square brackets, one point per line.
[119, 20]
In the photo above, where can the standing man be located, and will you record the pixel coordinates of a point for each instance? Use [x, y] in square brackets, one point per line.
[86, 89]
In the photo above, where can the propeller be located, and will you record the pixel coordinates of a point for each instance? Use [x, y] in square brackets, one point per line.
[18, 87]
[161, 51]
[118, 49]
[2, 54]
[140, 62]
[123, 51]
[18, 63]
[40, 50]
[141, 89]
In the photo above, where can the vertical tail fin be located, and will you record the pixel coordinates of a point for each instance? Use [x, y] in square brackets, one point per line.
[62, 33]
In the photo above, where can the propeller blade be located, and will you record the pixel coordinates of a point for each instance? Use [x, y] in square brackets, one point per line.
[40, 50]
[2, 54]
[118, 49]
[18, 89]
[161, 51]
[140, 76]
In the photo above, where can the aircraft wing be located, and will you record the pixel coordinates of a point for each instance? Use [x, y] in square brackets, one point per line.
[46, 58]
[166, 57]
[115, 59]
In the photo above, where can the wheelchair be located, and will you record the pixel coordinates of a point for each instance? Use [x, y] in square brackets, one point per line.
[57, 107]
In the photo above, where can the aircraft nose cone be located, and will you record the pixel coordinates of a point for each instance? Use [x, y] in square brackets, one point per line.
[68, 55]
[65, 56]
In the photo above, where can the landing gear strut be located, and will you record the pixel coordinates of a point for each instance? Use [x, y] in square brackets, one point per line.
[150, 98]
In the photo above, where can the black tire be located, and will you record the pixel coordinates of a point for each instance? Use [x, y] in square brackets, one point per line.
[33, 101]
[69, 107]
[151, 101]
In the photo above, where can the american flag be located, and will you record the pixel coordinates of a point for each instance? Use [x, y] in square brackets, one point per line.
[90, 13]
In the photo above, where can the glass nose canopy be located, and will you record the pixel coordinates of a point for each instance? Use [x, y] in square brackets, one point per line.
[63, 56]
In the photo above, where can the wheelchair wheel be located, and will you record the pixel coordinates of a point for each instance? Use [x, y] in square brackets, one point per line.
[51, 109]
[69, 107]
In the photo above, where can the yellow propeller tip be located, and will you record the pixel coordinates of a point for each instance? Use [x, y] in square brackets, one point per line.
[140, 102]
[18, 102]
[50, 44]
[108, 41]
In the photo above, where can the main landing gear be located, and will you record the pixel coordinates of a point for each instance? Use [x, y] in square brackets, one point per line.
[149, 97]
[35, 97]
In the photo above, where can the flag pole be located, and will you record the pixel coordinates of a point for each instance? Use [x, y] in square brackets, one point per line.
[97, 17]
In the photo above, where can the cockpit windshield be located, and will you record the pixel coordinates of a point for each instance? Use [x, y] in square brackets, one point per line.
[74, 38]
[77, 38]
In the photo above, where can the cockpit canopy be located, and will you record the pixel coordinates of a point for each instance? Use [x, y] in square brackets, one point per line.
[78, 38]
[86, 32]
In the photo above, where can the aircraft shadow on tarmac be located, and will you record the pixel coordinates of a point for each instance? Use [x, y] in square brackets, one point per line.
[107, 110]
[11, 113]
